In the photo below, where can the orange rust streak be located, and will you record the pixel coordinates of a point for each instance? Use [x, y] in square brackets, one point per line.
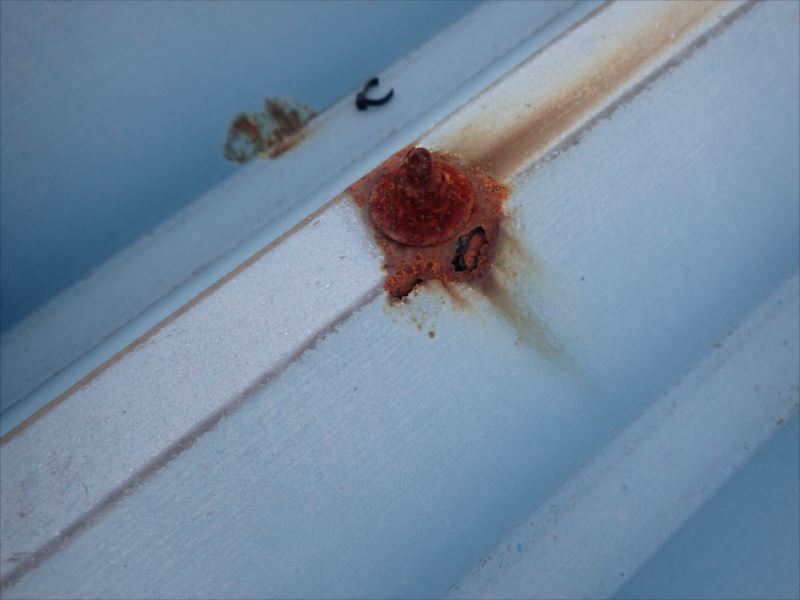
[505, 150]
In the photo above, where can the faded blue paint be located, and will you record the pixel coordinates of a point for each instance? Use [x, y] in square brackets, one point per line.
[381, 463]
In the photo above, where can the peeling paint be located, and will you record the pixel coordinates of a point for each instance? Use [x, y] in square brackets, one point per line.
[267, 134]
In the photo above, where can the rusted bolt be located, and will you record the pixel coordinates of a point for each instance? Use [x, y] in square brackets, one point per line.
[419, 163]
[423, 202]
[468, 249]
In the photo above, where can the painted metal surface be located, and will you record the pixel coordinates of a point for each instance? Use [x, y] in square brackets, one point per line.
[114, 113]
[136, 289]
[743, 542]
[313, 441]
[596, 531]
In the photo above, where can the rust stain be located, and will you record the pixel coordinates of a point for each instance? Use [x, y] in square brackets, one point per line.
[267, 134]
[480, 252]
[516, 264]
[485, 150]
[513, 257]
[529, 129]
[442, 225]
[530, 329]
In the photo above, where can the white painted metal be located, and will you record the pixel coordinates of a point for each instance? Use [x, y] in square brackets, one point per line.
[603, 523]
[135, 290]
[651, 336]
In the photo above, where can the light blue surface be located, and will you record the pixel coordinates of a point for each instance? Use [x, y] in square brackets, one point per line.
[385, 463]
[382, 462]
[114, 113]
[745, 543]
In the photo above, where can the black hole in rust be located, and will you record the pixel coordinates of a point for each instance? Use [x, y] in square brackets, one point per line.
[468, 249]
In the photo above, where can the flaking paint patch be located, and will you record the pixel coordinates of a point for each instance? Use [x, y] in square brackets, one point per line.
[514, 259]
[270, 133]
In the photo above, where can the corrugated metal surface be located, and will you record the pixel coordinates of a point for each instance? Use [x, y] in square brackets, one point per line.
[88, 323]
[289, 433]
[119, 109]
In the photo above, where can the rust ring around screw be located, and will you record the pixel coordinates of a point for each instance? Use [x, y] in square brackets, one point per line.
[423, 202]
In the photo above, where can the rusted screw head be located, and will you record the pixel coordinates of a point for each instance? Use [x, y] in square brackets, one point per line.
[423, 202]
[419, 163]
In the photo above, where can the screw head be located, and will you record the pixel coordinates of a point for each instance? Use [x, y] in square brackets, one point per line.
[423, 202]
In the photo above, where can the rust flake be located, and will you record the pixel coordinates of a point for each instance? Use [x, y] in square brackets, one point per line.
[267, 134]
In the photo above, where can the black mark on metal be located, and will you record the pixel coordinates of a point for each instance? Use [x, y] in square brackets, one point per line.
[362, 102]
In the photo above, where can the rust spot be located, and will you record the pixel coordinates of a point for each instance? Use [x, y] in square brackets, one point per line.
[434, 220]
[469, 248]
[267, 134]
[423, 202]
[532, 124]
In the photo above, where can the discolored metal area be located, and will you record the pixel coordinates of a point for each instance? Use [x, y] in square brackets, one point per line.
[270, 133]
[536, 431]
[426, 211]
[423, 202]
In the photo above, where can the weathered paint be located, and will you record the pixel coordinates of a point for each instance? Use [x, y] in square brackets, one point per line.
[270, 133]
[161, 462]
[417, 248]
[518, 120]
